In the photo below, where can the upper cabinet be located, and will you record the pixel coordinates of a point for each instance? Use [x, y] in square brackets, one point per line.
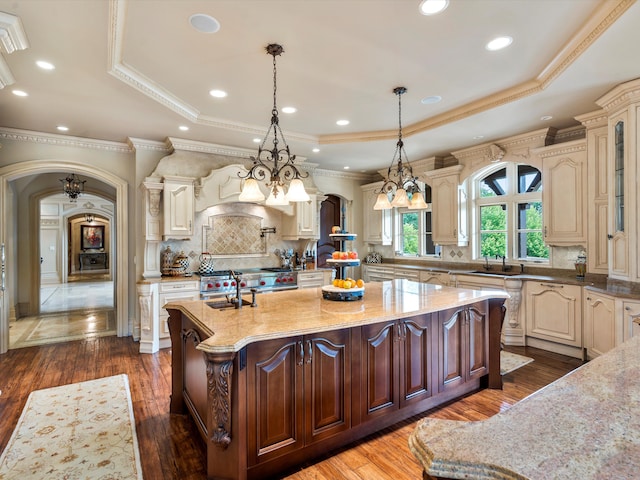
[376, 223]
[597, 191]
[449, 220]
[621, 107]
[564, 196]
[304, 222]
[178, 198]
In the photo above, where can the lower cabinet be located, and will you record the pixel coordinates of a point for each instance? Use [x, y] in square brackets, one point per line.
[299, 392]
[406, 273]
[376, 273]
[396, 365]
[602, 330]
[554, 313]
[172, 292]
[314, 278]
[631, 318]
[464, 345]
[436, 278]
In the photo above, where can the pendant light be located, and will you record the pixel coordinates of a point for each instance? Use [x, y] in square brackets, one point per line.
[276, 163]
[72, 186]
[400, 182]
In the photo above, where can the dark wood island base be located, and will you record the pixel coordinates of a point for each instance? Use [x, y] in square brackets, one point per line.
[276, 397]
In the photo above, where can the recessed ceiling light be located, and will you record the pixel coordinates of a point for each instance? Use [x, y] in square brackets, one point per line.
[499, 43]
[289, 110]
[315, 150]
[342, 123]
[204, 23]
[218, 93]
[478, 137]
[45, 65]
[20, 93]
[257, 140]
[62, 128]
[184, 128]
[431, 99]
[347, 168]
[546, 117]
[431, 7]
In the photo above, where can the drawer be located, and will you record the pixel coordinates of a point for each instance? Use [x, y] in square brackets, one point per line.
[167, 287]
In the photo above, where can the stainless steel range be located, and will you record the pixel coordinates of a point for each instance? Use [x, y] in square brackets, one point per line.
[225, 282]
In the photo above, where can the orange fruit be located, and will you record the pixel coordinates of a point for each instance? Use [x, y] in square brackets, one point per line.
[336, 282]
[347, 284]
[360, 283]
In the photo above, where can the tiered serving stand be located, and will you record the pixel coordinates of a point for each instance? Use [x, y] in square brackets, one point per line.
[329, 292]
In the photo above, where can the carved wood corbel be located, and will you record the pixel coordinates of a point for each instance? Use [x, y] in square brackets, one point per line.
[219, 379]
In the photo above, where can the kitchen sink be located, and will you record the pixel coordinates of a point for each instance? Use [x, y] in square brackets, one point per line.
[225, 304]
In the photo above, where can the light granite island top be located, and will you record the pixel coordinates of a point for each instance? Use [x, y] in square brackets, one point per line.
[585, 425]
[302, 311]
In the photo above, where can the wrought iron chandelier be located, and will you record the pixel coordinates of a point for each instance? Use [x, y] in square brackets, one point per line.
[400, 181]
[72, 186]
[276, 163]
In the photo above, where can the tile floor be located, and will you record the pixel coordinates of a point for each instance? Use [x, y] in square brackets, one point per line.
[70, 311]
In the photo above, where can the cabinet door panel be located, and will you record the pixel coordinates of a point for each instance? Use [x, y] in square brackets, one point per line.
[450, 368]
[478, 342]
[328, 383]
[418, 338]
[379, 365]
[275, 414]
[554, 312]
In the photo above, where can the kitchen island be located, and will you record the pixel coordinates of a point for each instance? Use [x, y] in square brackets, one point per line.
[585, 425]
[272, 386]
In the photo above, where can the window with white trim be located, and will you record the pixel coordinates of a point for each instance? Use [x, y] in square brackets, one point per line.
[414, 236]
[508, 213]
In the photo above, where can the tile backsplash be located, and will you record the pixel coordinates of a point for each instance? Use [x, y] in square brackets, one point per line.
[235, 235]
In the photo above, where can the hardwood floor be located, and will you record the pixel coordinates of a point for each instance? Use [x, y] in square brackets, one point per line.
[170, 445]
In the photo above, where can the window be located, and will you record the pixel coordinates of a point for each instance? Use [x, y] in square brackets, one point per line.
[414, 236]
[508, 213]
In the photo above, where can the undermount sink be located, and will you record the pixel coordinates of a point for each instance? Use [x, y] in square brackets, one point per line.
[221, 305]
[495, 273]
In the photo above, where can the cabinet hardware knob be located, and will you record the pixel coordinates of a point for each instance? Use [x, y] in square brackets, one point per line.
[310, 349]
[609, 236]
[627, 309]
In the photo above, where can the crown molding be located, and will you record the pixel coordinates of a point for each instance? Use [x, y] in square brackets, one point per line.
[6, 77]
[342, 174]
[151, 145]
[561, 149]
[599, 118]
[620, 96]
[63, 140]
[12, 34]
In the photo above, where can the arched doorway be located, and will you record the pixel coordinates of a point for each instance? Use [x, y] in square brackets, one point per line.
[9, 237]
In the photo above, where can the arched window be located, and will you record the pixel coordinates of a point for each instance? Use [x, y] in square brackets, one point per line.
[508, 213]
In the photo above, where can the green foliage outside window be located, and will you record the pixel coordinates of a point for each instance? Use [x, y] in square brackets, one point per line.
[410, 233]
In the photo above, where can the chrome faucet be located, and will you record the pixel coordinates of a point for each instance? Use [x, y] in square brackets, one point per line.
[505, 268]
[238, 300]
[486, 265]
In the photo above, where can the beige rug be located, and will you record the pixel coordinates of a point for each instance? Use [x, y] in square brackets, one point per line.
[82, 431]
[512, 361]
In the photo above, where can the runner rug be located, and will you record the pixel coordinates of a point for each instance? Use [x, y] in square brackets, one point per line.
[512, 361]
[83, 431]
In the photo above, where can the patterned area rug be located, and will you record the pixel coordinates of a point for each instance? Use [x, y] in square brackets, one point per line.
[512, 361]
[83, 431]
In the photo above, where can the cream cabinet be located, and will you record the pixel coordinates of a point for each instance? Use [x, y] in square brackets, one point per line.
[554, 314]
[564, 197]
[406, 273]
[375, 272]
[436, 278]
[152, 297]
[376, 224]
[630, 312]
[449, 222]
[598, 171]
[603, 329]
[170, 292]
[314, 278]
[303, 223]
[178, 198]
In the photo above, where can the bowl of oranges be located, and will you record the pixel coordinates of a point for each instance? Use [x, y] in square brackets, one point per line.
[344, 289]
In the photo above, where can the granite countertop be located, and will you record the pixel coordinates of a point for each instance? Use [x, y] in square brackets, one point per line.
[585, 425]
[594, 282]
[302, 311]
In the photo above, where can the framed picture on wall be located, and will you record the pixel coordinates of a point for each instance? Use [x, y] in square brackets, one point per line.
[92, 237]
